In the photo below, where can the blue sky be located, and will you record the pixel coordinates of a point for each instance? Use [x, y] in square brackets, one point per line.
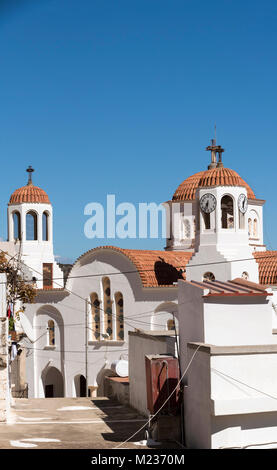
[120, 97]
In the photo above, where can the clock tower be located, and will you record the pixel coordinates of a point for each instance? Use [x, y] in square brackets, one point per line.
[225, 220]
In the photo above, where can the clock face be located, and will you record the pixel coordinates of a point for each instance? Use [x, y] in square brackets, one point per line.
[208, 203]
[242, 203]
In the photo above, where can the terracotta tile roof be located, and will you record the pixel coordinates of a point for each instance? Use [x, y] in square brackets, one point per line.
[156, 268]
[29, 193]
[50, 289]
[237, 287]
[267, 261]
[213, 177]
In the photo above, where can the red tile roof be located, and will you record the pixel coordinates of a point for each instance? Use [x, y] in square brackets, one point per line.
[156, 268]
[267, 261]
[213, 177]
[29, 193]
[237, 287]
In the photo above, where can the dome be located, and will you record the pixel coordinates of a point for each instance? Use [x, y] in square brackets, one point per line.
[29, 193]
[213, 177]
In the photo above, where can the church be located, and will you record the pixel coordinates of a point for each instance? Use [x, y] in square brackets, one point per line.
[79, 323]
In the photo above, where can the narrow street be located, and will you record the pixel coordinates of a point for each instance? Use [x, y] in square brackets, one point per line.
[72, 423]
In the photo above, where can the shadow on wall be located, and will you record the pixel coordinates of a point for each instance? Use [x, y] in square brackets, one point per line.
[166, 273]
[100, 379]
[80, 384]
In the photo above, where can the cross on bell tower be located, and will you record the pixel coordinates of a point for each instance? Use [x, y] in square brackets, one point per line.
[30, 170]
[215, 149]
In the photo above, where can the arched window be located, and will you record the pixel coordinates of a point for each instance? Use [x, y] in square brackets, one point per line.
[245, 275]
[45, 228]
[31, 226]
[108, 324]
[209, 277]
[95, 312]
[119, 316]
[186, 229]
[249, 227]
[51, 333]
[227, 212]
[16, 226]
[255, 228]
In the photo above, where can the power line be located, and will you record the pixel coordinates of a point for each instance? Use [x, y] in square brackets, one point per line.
[182, 266]
[243, 383]
[69, 351]
[164, 403]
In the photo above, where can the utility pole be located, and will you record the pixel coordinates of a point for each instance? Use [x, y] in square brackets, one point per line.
[86, 346]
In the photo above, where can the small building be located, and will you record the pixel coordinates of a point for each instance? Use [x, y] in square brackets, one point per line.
[228, 344]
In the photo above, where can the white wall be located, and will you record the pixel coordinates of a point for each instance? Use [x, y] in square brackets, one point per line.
[139, 306]
[231, 397]
[238, 320]
[244, 412]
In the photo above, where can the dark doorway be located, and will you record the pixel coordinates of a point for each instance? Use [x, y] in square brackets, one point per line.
[49, 391]
[53, 383]
[83, 386]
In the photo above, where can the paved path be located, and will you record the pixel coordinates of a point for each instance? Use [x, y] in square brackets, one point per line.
[71, 423]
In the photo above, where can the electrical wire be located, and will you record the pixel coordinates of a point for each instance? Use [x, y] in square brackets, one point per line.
[243, 383]
[182, 266]
[164, 403]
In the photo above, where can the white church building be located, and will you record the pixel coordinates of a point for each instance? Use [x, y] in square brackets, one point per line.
[75, 330]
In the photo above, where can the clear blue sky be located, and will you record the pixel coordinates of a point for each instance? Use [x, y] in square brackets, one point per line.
[121, 96]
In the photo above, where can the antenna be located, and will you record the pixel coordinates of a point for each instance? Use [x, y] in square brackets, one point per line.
[215, 133]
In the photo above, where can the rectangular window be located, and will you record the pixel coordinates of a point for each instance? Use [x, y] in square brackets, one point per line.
[47, 275]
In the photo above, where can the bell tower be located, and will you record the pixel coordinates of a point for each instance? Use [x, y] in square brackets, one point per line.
[30, 227]
[222, 248]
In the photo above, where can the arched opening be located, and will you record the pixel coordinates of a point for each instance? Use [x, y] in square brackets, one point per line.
[255, 228]
[31, 226]
[45, 227]
[245, 275]
[227, 212]
[119, 316]
[208, 276]
[164, 317]
[108, 325]
[53, 383]
[253, 224]
[16, 226]
[51, 333]
[80, 386]
[95, 313]
[249, 227]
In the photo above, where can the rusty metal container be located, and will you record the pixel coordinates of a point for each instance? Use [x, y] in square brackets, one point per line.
[162, 376]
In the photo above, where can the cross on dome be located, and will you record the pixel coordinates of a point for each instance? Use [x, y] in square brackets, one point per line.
[215, 149]
[30, 170]
[29, 193]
